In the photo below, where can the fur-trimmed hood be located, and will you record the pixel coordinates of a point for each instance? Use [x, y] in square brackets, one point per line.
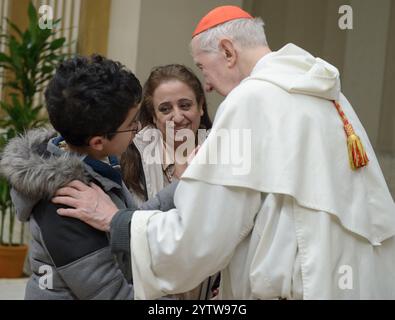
[36, 171]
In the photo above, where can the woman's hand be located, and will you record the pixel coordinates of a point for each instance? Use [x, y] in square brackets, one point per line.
[88, 203]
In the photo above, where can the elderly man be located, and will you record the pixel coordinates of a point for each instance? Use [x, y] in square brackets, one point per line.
[311, 218]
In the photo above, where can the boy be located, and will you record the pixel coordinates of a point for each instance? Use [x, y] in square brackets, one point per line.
[92, 102]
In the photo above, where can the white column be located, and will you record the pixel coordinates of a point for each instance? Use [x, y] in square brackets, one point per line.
[123, 37]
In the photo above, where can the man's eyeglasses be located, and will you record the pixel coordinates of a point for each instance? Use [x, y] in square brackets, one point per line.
[136, 127]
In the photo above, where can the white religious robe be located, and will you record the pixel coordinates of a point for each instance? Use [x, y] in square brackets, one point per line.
[291, 219]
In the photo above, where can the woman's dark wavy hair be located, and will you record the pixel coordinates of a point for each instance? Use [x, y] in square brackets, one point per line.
[90, 96]
[131, 161]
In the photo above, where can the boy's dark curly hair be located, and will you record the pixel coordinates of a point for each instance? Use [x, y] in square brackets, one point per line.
[90, 96]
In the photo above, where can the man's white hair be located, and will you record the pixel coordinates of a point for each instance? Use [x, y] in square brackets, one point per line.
[247, 33]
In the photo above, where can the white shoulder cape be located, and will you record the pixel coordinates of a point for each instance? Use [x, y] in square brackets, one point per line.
[298, 148]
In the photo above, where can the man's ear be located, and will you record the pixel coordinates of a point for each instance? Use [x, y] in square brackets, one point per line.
[97, 143]
[227, 48]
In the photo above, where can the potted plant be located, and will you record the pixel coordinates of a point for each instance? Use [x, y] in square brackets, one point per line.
[29, 61]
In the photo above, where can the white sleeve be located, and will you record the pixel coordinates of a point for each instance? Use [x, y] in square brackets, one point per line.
[174, 251]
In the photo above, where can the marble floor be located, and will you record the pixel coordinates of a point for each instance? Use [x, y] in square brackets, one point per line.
[12, 289]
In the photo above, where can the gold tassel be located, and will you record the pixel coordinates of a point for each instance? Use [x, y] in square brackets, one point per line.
[356, 151]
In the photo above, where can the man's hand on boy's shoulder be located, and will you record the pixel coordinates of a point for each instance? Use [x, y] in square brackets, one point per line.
[87, 203]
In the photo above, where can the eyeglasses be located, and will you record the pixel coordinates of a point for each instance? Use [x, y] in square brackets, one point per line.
[136, 127]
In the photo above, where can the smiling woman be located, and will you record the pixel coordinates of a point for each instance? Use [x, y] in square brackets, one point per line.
[175, 102]
[173, 98]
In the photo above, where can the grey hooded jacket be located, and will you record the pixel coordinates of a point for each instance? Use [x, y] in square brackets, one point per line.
[69, 259]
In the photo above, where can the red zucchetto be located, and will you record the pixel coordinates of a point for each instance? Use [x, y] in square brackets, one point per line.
[218, 16]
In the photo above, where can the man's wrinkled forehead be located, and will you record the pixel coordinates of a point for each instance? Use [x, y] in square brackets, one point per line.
[194, 45]
[195, 49]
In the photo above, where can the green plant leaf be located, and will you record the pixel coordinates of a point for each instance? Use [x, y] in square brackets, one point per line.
[15, 54]
[57, 43]
[30, 58]
[14, 27]
[43, 80]
[33, 22]
[47, 69]
[12, 84]
[56, 23]
[39, 123]
[5, 58]
[32, 13]
[5, 66]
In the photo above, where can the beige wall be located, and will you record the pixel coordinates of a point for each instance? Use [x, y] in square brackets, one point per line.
[149, 33]
[124, 31]
[386, 137]
[364, 56]
[311, 24]
[165, 32]
[361, 54]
